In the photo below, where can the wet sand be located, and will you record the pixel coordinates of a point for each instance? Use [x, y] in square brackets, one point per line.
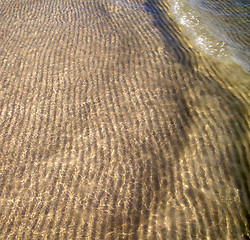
[113, 127]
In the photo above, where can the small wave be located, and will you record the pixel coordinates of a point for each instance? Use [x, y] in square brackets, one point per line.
[219, 28]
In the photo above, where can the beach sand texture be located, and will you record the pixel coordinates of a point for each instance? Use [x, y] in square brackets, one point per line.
[113, 127]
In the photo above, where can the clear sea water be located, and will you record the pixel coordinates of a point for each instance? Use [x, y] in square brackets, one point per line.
[219, 28]
[115, 122]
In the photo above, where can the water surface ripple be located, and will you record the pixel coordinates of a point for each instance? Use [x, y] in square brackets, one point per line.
[112, 126]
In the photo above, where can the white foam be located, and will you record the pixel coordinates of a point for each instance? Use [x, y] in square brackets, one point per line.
[205, 33]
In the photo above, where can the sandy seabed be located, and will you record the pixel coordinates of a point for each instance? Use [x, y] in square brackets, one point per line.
[113, 127]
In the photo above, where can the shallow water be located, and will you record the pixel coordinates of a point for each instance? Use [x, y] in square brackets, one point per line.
[113, 125]
[220, 28]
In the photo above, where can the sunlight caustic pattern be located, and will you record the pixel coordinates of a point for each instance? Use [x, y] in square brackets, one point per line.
[113, 127]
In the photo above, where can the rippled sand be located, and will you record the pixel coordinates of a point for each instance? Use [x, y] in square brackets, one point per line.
[112, 127]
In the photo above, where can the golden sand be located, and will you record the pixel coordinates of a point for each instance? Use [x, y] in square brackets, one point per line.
[113, 127]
